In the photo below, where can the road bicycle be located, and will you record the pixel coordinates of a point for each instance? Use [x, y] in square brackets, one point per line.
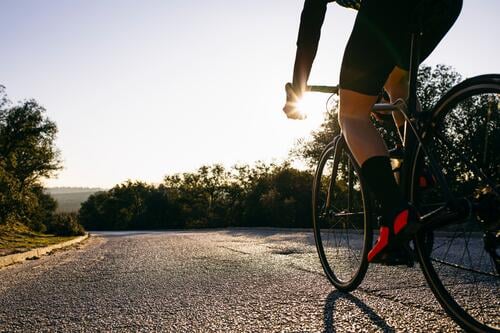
[449, 169]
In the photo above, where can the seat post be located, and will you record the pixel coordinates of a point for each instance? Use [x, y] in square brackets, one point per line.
[414, 64]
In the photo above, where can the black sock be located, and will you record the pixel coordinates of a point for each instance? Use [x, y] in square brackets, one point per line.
[377, 173]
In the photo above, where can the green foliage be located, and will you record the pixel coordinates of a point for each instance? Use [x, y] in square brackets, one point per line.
[39, 209]
[16, 237]
[27, 143]
[27, 154]
[201, 196]
[280, 198]
[4, 100]
[11, 199]
[65, 224]
[132, 205]
[433, 83]
[264, 195]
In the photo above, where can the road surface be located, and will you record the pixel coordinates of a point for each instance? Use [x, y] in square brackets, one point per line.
[235, 280]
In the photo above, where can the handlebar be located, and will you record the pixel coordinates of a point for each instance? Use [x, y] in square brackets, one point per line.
[324, 89]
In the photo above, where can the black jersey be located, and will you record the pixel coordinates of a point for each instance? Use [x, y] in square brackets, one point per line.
[313, 16]
[380, 39]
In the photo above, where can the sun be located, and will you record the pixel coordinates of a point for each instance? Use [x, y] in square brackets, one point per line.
[306, 105]
[312, 106]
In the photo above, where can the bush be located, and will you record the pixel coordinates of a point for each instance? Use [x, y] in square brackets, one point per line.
[131, 205]
[280, 198]
[27, 155]
[65, 224]
[212, 197]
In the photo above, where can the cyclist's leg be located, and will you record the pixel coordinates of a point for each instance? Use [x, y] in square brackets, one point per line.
[369, 58]
[363, 138]
[368, 61]
[438, 19]
[377, 54]
[365, 68]
[397, 86]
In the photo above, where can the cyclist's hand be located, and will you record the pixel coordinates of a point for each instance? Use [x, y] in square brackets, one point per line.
[292, 97]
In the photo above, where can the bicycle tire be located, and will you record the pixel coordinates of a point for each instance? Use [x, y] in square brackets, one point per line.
[341, 217]
[467, 287]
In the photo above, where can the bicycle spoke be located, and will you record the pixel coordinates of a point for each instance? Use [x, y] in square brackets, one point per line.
[460, 210]
[446, 263]
[465, 160]
[342, 240]
[449, 246]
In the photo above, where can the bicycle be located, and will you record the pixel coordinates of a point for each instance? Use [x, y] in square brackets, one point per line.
[450, 172]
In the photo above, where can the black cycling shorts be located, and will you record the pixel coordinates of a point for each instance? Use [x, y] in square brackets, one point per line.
[380, 39]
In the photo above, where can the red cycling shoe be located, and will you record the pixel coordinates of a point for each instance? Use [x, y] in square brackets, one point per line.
[395, 255]
[404, 226]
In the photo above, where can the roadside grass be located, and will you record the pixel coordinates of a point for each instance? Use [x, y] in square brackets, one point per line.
[16, 238]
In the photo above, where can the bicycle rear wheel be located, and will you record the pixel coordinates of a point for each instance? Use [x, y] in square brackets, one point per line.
[341, 217]
[461, 265]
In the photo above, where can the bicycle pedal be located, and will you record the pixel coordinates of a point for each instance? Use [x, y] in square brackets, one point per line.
[395, 262]
[401, 255]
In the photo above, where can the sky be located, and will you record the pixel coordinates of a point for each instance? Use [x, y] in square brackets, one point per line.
[142, 89]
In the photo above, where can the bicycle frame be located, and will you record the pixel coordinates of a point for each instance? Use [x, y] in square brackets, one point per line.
[448, 210]
[413, 140]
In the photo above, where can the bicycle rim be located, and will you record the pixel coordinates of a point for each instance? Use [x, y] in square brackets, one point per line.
[461, 263]
[341, 217]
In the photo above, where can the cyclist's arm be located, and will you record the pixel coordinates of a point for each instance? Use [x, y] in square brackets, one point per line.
[311, 20]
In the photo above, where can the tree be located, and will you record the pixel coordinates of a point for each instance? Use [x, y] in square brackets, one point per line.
[131, 205]
[204, 196]
[27, 154]
[27, 143]
[212, 196]
[433, 83]
[4, 100]
[280, 197]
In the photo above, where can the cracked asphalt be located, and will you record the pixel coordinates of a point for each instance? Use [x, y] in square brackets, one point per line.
[234, 280]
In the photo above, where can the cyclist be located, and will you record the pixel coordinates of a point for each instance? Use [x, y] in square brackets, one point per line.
[376, 57]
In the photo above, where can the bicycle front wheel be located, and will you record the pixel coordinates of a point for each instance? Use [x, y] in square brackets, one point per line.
[341, 217]
[462, 263]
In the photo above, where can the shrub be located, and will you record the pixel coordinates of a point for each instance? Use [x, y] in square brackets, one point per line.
[65, 224]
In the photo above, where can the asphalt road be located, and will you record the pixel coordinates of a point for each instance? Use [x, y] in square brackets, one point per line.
[236, 280]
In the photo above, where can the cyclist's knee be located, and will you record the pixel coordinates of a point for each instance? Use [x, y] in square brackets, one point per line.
[397, 83]
[355, 106]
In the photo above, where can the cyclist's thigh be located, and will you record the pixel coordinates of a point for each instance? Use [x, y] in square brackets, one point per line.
[438, 19]
[379, 41]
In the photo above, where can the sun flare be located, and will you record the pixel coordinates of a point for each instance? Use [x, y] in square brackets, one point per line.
[312, 105]
[307, 105]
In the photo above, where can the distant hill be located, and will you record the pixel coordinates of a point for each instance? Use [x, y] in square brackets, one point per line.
[69, 199]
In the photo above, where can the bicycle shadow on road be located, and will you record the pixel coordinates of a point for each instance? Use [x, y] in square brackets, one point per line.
[328, 312]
